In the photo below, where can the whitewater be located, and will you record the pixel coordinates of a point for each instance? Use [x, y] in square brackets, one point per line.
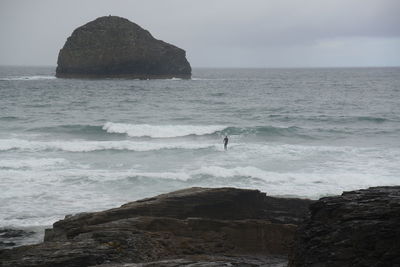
[73, 145]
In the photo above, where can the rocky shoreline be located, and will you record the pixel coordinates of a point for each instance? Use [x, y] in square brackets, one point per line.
[358, 228]
[226, 227]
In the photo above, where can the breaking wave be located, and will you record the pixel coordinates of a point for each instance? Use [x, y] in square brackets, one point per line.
[171, 131]
[31, 163]
[160, 131]
[88, 146]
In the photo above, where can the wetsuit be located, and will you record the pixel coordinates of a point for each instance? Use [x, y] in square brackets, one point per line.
[226, 143]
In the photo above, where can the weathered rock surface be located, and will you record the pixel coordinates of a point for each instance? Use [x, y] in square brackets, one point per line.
[210, 261]
[116, 47]
[196, 222]
[358, 228]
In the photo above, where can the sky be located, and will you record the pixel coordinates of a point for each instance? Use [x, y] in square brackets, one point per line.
[218, 33]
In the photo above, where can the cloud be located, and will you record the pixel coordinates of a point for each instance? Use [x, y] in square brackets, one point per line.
[224, 32]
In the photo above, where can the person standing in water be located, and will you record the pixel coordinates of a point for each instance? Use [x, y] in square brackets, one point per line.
[226, 142]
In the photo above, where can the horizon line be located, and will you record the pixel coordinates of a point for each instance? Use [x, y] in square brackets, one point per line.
[241, 67]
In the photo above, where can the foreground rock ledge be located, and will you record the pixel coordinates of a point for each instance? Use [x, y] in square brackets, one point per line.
[358, 228]
[219, 226]
[114, 47]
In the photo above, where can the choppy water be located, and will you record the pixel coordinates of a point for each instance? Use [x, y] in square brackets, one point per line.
[70, 145]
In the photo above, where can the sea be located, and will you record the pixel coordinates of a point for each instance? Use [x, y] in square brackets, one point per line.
[79, 145]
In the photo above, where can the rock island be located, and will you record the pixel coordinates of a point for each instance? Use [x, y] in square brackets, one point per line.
[112, 47]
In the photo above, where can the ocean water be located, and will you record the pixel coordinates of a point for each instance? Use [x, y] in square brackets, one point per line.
[72, 145]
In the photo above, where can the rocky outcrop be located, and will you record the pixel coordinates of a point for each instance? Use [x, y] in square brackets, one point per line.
[225, 227]
[219, 226]
[116, 47]
[358, 228]
[210, 261]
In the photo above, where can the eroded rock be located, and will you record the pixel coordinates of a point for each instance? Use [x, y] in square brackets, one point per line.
[178, 225]
[358, 228]
[211, 261]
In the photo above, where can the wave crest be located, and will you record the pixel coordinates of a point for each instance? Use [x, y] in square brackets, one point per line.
[31, 163]
[89, 146]
[172, 131]
[263, 131]
[160, 131]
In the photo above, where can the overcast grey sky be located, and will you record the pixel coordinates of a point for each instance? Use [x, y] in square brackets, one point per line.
[218, 33]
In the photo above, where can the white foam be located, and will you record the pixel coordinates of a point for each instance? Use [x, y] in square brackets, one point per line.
[29, 196]
[88, 146]
[160, 131]
[217, 171]
[36, 221]
[309, 183]
[31, 163]
[39, 191]
[28, 78]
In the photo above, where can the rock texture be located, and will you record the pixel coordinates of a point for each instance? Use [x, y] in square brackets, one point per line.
[116, 47]
[358, 228]
[193, 225]
[210, 261]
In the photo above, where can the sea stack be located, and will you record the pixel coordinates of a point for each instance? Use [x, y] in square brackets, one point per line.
[111, 46]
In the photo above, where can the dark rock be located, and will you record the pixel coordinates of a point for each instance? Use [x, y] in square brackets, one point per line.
[178, 225]
[116, 47]
[218, 203]
[358, 228]
[210, 261]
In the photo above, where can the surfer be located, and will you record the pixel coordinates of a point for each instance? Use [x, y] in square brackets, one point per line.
[226, 142]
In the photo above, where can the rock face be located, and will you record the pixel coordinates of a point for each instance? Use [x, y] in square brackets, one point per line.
[358, 228]
[209, 261]
[224, 227]
[115, 47]
[212, 227]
